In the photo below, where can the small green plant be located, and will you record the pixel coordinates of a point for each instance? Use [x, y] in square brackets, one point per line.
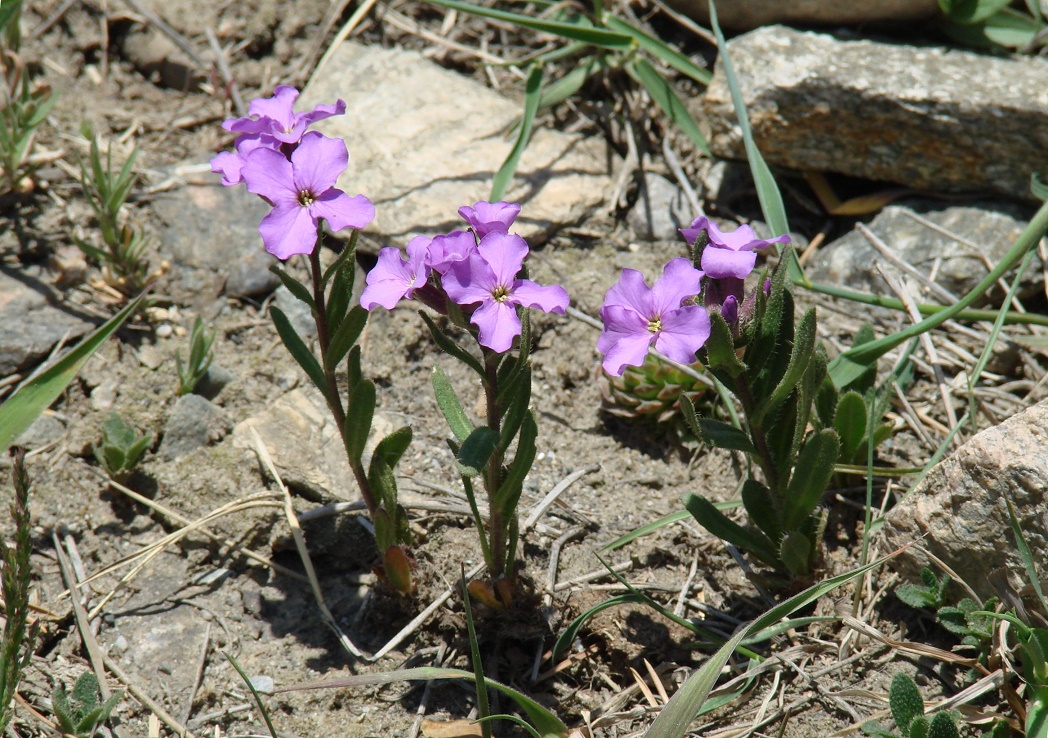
[125, 266]
[930, 593]
[996, 24]
[16, 648]
[907, 709]
[80, 713]
[649, 395]
[200, 355]
[23, 108]
[121, 448]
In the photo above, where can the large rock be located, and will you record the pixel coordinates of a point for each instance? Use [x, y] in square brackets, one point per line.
[960, 507]
[424, 141]
[743, 15]
[852, 260]
[31, 324]
[930, 118]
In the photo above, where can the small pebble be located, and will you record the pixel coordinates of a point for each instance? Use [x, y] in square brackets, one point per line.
[164, 331]
[120, 644]
[263, 684]
[165, 666]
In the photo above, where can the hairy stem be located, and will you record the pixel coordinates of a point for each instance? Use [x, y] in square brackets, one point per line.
[493, 473]
[760, 441]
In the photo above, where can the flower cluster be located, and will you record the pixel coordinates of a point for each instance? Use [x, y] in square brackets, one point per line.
[294, 170]
[666, 315]
[477, 269]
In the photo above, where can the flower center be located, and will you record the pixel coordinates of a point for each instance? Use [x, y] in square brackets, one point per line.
[500, 294]
[306, 198]
[655, 325]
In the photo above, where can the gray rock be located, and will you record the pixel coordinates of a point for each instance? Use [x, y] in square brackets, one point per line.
[249, 276]
[930, 118]
[213, 381]
[44, 430]
[960, 507]
[297, 312]
[424, 141]
[743, 15]
[216, 228]
[31, 324]
[194, 423]
[851, 260]
[305, 445]
[660, 210]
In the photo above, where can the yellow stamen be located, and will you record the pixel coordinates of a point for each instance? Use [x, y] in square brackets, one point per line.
[500, 294]
[305, 197]
[655, 325]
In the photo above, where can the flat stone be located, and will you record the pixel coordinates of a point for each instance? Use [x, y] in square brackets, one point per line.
[960, 507]
[660, 210]
[194, 423]
[852, 261]
[926, 117]
[216, 228]
[31, 324]
[305, 445]
[423, 141]
[743, 15]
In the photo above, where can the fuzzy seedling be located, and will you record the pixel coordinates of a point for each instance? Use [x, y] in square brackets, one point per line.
[200, 355]
[907, 708]
[121, 448]
[80, 713]
[930, 593]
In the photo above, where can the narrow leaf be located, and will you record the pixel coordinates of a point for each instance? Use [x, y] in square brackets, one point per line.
[346, 335]
[661, 51]
[450, 406]
[532, 94]
[803, 346]
[298, 350]
[810, 477]
[662, 93]
[359, 415]
[451, 348]
[295, 287]
[717, 523]
[476, 451]
[509, 493]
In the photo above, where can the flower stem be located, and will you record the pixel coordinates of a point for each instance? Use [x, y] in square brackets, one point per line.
[760, 441]
[493, 474]
[331, 393]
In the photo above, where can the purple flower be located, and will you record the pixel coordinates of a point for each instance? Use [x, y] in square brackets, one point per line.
[489, 277]
[274, 116]
[229, 163]
[450, 248]
[636, 317]
[393, 277]
[302, 191]
[728, 254]
[490, 217]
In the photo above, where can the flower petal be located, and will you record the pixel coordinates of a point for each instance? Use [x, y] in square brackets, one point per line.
[320, 112]
[552, 299]
[228, 165]
[269, 174]
[278, 108]
[448, 248]
[718, 263]
[683, 333]
[288, 230]
[498, 324]
[504, 253]
[318, 161]
[342, 211]
[631, 291]
[490, 217]
[679, 280]
[389, 281]
[418, 249]
[624, 340]
[470, 281]
[698, 225]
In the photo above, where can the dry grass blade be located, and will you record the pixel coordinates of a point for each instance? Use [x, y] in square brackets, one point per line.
[300, 544]
[358, 15]
[553, 494]
[148, 702]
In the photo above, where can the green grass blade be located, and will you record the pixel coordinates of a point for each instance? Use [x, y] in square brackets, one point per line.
[22, 408]
[570, 83]
[682, 708]
[483, 711]
[853, 362]
[532, 95]
[662, 93]
[254, 693]
[570, 633]
[767, 191]
[582, 30]
[548, 724]
[1025, 552]
[661, 51]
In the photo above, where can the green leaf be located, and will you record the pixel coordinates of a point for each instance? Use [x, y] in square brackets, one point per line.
[295, 287]
[460, 424]
[717, 523]
[877, 730]
[795, 552]
[767, 191]
[662, 93]
[516, 407]
[673, 517]
[532, 94]
[359, 415]
[720, 349]
[905, 701]
[451, 348]
[803, 346]
[346, 335]
[298, 350]
[341, 294]
[62, 709]
[10, 9]
[135, 451]
[673, 720]
[20, 409]
[944, 725]
[393, 446]
[719, 434]
[478, 666]
[254, 694]
[761, 507]
[561, 89]
[919, 727]
[971, 11]
[384, 486]
[509, 493]
[811, 474]
[661, 51]
[476, 451]
[850, 423]
[581, 30]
